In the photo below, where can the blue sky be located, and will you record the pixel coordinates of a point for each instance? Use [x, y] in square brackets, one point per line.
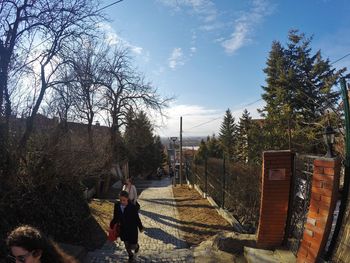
[210, 54]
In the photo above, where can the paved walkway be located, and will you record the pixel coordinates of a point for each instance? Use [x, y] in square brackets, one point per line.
[162, 240]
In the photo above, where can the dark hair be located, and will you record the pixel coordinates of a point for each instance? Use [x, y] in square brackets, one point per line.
[32, 239]
[124, 194]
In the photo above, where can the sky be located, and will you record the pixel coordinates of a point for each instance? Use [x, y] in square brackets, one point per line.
[210, 55]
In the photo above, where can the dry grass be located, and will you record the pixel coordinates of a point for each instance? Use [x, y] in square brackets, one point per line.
[102, 211]
[199, 219]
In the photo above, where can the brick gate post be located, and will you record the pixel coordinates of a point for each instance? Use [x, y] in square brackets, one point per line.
[275, 188]
[324, 194]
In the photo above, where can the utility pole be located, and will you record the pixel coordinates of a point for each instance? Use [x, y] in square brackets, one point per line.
[181, 151]
[174, 160]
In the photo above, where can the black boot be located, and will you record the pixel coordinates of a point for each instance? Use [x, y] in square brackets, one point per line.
[137, 248]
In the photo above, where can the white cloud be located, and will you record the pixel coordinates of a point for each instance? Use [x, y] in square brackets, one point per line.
[205, 9]
[245, 25]
[112, 38]
[176, 58]
[199, 120]
[158, 71]
[193, 50]
[192, 116]
[211, 26]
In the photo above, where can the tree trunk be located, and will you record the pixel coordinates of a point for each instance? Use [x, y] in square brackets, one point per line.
[5, 114]
[90, 135]
[289, 135]
[30, 120]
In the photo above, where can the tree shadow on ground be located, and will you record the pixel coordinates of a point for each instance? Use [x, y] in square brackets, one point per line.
[94, 234]
[184, 225]
[141, 185]
[159, 234]
[172, 202]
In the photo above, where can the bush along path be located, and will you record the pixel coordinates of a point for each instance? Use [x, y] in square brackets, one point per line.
[162, 240]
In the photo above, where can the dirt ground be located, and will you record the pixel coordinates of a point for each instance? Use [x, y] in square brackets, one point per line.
[199, 219]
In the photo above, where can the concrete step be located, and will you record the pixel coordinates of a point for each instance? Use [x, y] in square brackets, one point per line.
[254, 255]
[178, 255]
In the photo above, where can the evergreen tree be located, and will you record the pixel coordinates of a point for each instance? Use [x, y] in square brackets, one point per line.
[202, 152]
[139, 141]
[214, 147]
[298, 91]
[244, 137]
[257, 143]
[227, 134]
[159, 156]
[278, 96]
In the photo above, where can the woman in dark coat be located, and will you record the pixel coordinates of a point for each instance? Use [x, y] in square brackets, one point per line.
[126, 215]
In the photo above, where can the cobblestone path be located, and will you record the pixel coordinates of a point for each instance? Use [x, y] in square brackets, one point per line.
[162, 240]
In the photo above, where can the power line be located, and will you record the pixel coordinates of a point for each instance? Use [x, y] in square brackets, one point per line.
[201, 124]
[251, 103]
[114, 3]
[98, 10]
[340, 59]
[204, 123]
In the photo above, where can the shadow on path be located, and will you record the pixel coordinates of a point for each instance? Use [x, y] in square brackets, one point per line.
[170, 202]
[159, 234]
[183, 225]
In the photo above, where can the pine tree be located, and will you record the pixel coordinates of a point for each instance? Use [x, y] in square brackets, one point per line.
[278, 96]
[159, 156]
[298, 91]
[140, 142]
[202, 152]
[244, 138]
[227, 134]
[214, 147]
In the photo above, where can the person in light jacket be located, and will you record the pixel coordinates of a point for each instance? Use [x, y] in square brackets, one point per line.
[131, 189]
[126, 215]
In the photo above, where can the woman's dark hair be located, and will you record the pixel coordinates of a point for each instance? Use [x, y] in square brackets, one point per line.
[32, 239]
[124, 194]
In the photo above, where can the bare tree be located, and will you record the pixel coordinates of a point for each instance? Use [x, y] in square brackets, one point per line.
[61, 100]
[126, 91]
[75, 21]
[87, 62]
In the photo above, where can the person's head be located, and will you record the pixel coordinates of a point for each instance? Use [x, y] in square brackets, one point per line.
[124, 197]
[129, 181]
[29, 245]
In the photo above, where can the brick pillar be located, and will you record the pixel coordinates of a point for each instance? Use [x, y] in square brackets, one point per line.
[325, 187]
[276, 183]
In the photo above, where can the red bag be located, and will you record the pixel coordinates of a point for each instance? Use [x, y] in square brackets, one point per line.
[113, 233]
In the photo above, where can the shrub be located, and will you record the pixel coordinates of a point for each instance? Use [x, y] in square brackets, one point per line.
[58, 209]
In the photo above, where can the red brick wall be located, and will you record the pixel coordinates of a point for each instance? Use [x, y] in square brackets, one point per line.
[274, 198]
[325, 187]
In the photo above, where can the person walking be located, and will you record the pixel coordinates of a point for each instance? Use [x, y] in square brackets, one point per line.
[29, 245]
[132, 191]
[127, 217]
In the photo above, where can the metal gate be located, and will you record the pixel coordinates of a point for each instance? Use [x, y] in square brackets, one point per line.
[299, 200]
